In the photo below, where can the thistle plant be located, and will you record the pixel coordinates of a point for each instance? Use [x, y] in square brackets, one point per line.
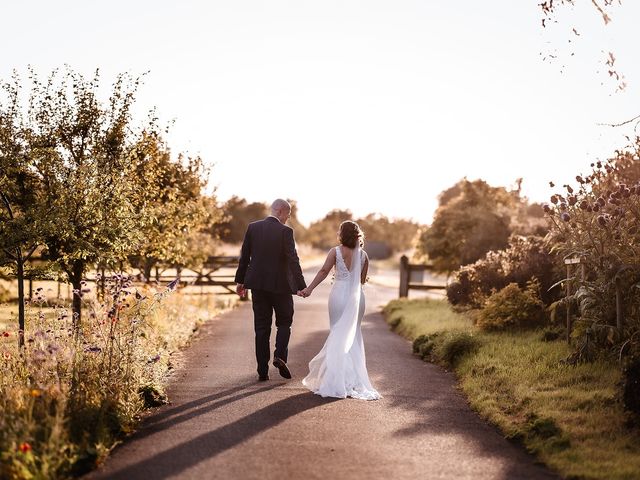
[598, 221]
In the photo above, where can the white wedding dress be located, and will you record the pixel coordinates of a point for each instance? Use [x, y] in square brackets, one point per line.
[340, 370]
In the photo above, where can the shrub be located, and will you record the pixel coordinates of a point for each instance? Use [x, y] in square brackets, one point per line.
[418, 341]
[525, 258]
[423, 345]
[544, 432]
[631, 385]
[453, 346]
[598, 220]
[512, 307]
[395, 321]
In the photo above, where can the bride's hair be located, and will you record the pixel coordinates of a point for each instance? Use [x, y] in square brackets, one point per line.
[351, 234]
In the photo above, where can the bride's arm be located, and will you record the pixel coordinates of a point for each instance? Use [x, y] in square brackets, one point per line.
[322, 273]
[365, 269]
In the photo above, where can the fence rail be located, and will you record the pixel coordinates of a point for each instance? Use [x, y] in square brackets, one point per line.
[216, 271]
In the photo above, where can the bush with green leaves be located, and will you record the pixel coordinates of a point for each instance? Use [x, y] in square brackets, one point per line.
[525, 258]
[513, 307]
[598, 222]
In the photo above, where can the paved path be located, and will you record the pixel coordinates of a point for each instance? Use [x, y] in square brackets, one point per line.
[223, 424]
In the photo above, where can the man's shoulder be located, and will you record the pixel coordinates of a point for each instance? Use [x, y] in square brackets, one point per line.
[257, 222]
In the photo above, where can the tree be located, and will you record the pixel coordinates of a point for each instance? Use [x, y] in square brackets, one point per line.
[465, 228]
[323, 233]
[238, 215]
[398, 234]
[23, 216]
[299, 229]
[81, 152]
[169, 192]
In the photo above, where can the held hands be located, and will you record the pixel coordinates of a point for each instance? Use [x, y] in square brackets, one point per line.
[305, 292]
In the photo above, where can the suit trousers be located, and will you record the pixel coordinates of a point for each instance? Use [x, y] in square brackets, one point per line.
[264, 304]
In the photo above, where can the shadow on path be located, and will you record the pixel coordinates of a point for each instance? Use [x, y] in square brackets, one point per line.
[187, 454]
[438, 407]
[160, 422]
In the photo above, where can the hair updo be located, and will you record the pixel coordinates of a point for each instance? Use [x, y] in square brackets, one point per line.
[350, 234]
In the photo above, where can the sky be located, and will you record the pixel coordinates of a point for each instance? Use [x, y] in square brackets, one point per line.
[371, 106]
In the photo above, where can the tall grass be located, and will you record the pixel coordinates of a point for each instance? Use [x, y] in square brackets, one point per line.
[69, 395]
[570, 416]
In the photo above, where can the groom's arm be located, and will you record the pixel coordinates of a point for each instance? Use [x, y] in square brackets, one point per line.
[293, 260]
[245, 257]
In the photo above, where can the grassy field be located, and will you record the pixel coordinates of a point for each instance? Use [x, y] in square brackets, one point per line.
[570, 417]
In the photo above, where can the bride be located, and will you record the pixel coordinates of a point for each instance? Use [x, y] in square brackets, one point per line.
[340, 370]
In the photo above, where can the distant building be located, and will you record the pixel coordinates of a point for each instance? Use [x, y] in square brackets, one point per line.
[377, 250]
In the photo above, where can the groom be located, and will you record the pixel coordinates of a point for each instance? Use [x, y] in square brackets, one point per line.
[270, 268]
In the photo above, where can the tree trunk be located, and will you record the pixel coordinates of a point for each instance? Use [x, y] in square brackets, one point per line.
[102, 281]
[76, 279]
[20, 268]
[147, 267]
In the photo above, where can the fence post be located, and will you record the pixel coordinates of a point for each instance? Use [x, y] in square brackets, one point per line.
[404, 276]
[572, 264]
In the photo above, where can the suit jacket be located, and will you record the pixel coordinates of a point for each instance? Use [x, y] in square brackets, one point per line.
[268, 260]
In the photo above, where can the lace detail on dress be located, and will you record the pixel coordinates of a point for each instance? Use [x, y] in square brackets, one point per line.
[342, 272]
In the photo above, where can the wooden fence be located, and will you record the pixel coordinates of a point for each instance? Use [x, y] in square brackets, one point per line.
[217, 271]
[412, 276]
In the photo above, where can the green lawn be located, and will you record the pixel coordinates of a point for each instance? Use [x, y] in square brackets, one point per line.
[571, 417]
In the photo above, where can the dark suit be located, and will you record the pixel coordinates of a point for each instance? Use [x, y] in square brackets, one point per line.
[270, 267]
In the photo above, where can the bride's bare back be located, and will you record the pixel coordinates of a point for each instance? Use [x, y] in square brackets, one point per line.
[330, 263]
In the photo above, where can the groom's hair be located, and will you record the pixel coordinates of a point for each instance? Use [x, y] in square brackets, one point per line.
[279, 205]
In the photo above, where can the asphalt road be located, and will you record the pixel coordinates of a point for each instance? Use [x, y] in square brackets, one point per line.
[222, 423]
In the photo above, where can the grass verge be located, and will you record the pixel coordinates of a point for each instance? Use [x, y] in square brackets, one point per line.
[570, 417]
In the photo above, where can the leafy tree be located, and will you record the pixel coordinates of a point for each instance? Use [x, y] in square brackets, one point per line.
[323, 233]
[294, 222]
[397, 234]
[169, 192]
[23, 217]
[467, 227]
[238, 214]
[81, 152]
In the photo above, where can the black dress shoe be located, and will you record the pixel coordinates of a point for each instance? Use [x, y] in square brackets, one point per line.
[282, 367]
[263, 378]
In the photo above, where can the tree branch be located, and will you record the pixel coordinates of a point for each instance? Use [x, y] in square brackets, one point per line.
[605, 17]
[626, 122]
[7, 205]
[9, 254]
